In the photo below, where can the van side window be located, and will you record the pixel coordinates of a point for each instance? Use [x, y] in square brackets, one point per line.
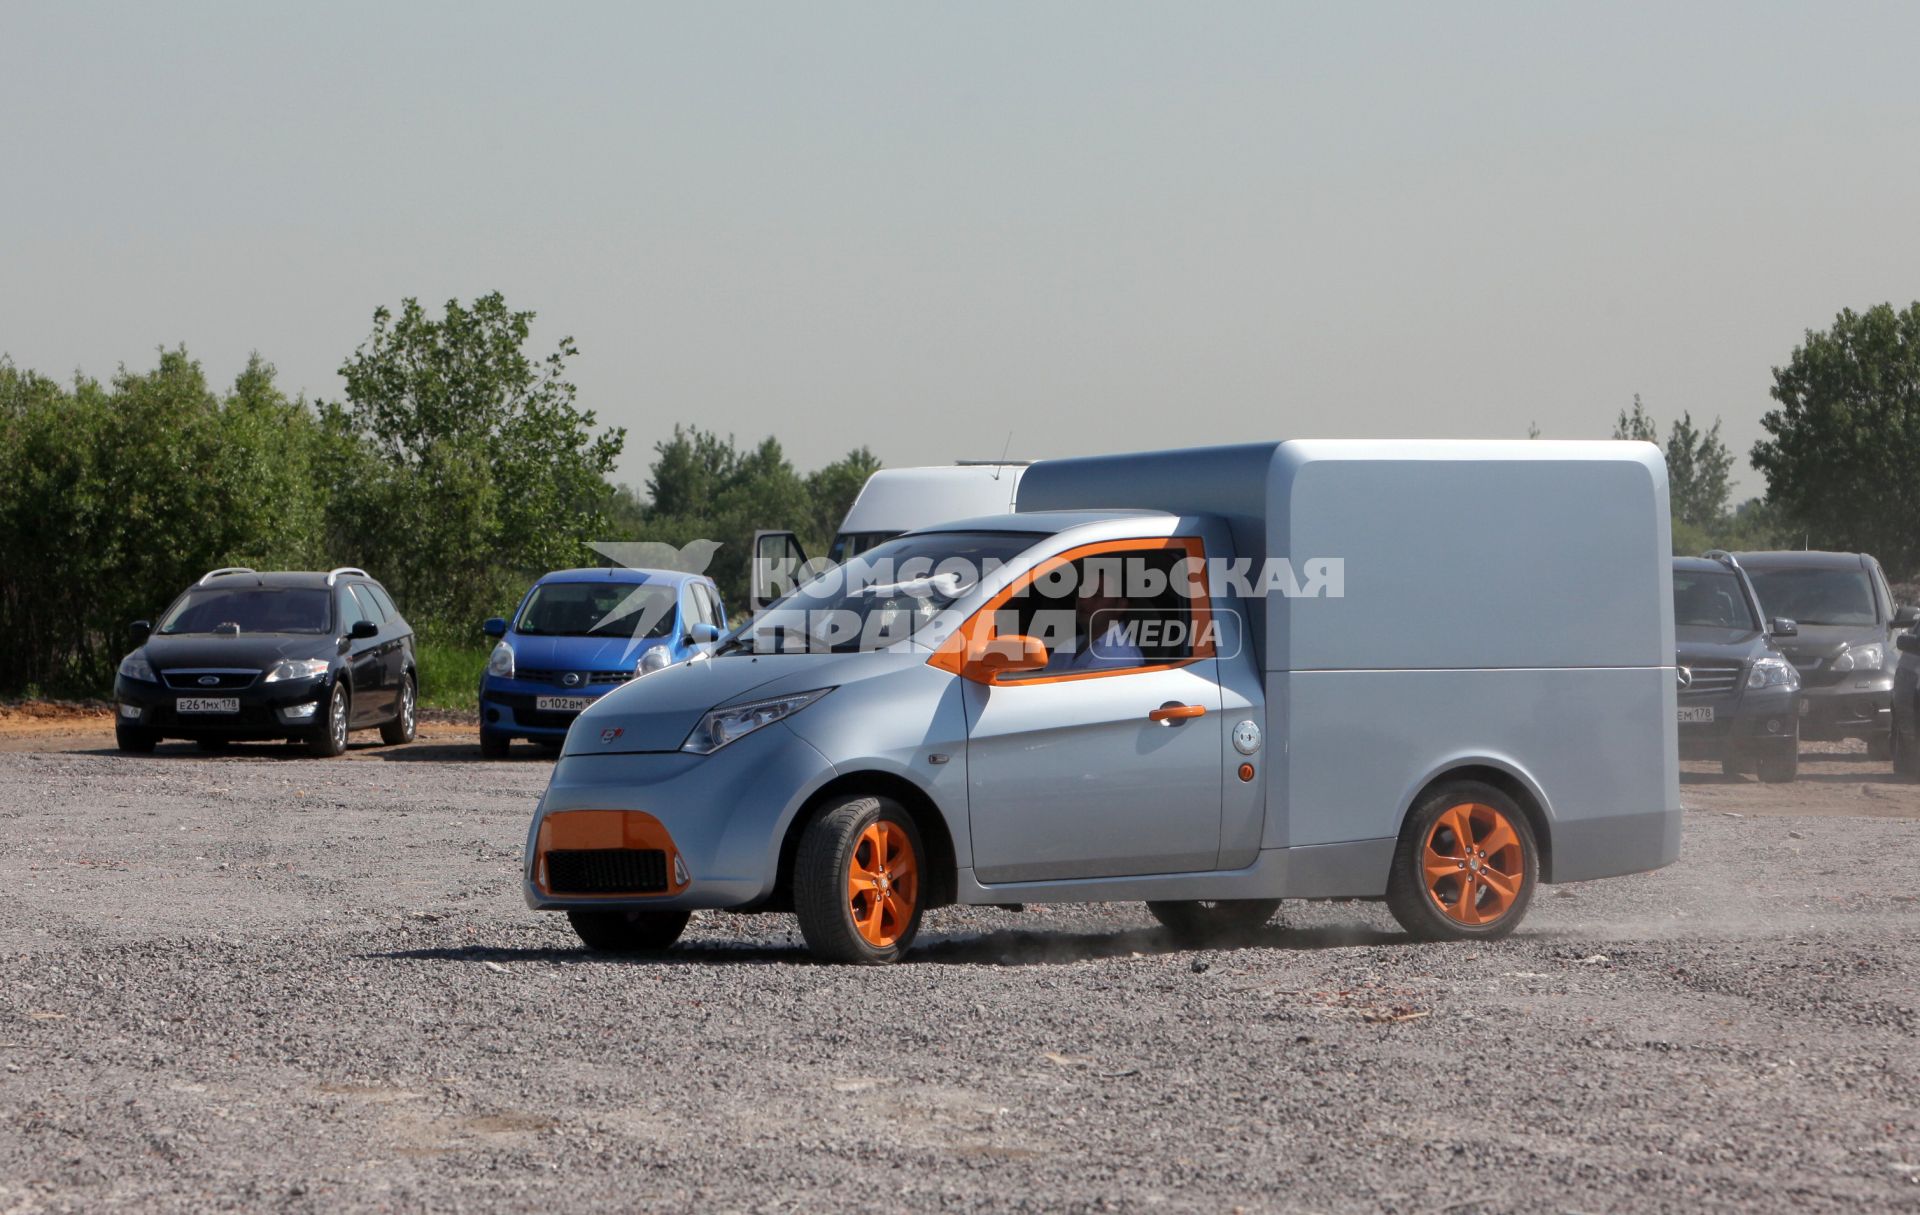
[1111, 612]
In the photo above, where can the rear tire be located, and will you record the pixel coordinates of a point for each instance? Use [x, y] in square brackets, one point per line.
[134, 740]
[1465, 866]
[857, 882]
[1782, 766]
[403, 726]
[328, 737]
[1208, 922]
[494, 746]
[623, 931]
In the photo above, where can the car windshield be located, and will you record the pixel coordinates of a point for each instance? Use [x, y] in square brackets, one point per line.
[1710, 600]
[253, 609]
[599, 609]
[1816, 596]
[882, 596]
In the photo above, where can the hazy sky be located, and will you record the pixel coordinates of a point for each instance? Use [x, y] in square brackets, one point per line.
[1093, 227]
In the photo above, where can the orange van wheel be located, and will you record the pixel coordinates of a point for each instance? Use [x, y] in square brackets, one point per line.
[858, 880]
[1465, 866]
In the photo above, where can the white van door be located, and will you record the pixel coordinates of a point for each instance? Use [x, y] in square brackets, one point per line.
[1096, 777]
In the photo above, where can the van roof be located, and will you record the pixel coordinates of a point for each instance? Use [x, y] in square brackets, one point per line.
[1041, 522]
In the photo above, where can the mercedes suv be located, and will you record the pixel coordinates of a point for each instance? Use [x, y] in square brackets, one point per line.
[1739, 697]
[244, 655]
[1844, 649]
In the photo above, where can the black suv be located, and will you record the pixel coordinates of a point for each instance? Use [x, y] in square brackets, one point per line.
[243, 655]
[1844, 651]
[1739, 697]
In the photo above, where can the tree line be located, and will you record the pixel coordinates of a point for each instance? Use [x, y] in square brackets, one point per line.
[456, 466]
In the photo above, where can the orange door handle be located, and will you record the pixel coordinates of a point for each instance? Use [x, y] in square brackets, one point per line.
[1172, 713]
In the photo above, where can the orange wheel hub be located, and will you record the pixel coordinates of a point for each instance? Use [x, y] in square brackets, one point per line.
[883, 882]
[1474, 866]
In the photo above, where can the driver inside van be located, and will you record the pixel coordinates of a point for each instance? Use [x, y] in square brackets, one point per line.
[1100, 638]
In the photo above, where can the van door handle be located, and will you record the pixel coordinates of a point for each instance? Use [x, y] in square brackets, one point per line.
[1173, 713]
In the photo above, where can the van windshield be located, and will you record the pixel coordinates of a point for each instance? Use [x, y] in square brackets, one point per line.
[1816, 596]
[880, 597]
[253, 609]
[1710, 600]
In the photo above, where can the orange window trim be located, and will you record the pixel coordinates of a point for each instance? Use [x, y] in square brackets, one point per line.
[592, 830]
[978, 629]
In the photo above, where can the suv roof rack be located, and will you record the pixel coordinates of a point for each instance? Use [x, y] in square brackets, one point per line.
[333, 575]
[222, 572]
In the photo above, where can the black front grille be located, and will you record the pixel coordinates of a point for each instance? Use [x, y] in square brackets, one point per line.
[1712, 680]
[607, 871]
[537, 675]
[192, 681]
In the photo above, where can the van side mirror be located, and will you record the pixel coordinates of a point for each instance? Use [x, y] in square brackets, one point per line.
[140, 630]
[1780, 626]
[1905, 616]
[494, 626]
[363, 629]
[777, 566]
[702, 632]
[1006, 656]
[1908, 643]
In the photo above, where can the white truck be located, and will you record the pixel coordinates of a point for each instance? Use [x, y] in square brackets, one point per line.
[893, 501]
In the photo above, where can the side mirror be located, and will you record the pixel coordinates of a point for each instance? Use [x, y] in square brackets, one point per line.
[1908, 643]
[702, 633]
[1006, 656]
[140, 630]
[363, 629]
[1780, 626]
[777, 560]
[1905, 616]
[494, 627]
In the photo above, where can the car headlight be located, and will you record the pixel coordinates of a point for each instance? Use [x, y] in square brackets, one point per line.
[655, 658]
[500, 662]
[135, 666]
[1868, 657]
[1773, 673]
[722, 726]
[296, 668]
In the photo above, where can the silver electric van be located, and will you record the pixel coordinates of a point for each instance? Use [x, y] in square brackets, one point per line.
[1438, 673]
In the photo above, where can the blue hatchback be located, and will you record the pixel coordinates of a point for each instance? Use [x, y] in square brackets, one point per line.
[577, 635]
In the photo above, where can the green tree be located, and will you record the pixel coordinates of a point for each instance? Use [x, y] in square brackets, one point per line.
[1843, 458]
[478, 467]
[1699, 465]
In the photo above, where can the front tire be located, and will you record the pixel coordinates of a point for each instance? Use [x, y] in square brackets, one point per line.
[1880, 747]
[1733, 765]
[494, 746]
[623, 931]
[1465, 866]
[329, 735]
[134, 740]
[1906, 755]
[1781, 766]
[403, 726]
[211, 745]
[1206, 922]
[857, 882]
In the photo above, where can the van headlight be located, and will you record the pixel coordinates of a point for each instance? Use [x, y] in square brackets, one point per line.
[500, 662]
[1773, 673]
[296, 668]
[722, 726]
[135, 666]
[1869, 657]
[655, 658]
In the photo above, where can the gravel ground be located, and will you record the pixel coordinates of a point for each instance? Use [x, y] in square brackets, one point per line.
[273, 983]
